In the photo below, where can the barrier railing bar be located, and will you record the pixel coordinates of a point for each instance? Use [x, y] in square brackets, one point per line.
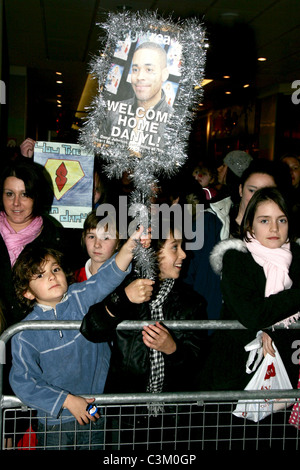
[130, 324]
[122, 398]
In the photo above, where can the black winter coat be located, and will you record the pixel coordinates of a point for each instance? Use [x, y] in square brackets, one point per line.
[243, 286]
[130, 363]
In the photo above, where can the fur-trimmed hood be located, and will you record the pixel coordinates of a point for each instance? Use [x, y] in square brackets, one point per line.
[216, 256]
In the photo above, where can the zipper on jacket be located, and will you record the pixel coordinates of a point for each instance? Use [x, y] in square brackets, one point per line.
[60, 332]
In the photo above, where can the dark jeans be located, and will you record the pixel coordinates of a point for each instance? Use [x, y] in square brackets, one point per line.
[132, 428]
[71, 436]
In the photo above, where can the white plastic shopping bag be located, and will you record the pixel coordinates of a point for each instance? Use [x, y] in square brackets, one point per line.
[271, 375]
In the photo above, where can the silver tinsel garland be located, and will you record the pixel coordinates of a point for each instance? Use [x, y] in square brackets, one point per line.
[146, 169]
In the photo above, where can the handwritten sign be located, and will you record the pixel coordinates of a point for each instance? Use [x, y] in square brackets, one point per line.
[71, 170]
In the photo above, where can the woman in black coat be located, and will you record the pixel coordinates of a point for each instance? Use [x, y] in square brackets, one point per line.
[243, 283]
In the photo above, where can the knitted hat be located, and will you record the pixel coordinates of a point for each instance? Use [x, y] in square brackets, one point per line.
[238, 161]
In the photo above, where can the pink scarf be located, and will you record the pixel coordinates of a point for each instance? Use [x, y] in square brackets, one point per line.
[16, 241]
[276, 263]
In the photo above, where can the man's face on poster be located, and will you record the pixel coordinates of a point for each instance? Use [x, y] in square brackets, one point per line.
[148, 73]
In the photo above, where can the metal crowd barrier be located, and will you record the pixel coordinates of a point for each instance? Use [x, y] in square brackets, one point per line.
[188, 422]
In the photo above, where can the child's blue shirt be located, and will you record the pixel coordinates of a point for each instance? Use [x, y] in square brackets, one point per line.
[49, 364]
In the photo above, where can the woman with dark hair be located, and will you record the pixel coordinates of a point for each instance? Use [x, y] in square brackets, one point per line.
[260, 287]
[260, 173]
[222, 220]
[26, 197]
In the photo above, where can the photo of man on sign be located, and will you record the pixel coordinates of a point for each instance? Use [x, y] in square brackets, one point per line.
[140, 121]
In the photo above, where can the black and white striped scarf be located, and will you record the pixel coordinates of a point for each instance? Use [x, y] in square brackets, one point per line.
[157, 363]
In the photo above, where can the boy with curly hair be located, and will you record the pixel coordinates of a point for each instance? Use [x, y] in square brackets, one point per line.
[52, 370]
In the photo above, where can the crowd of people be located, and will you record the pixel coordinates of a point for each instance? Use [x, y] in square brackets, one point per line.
[248, 269]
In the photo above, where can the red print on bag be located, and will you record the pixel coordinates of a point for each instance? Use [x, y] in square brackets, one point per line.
[270, 372]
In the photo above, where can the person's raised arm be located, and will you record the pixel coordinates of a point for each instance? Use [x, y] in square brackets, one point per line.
[125, 255]
[99, 324]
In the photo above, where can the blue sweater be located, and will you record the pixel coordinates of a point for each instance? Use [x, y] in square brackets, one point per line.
[49, 364]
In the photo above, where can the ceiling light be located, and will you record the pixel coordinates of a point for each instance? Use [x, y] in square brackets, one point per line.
[226, 76]
[58, 73]
[246, 85]
[59, 81]
[227, 92]
[262, 59]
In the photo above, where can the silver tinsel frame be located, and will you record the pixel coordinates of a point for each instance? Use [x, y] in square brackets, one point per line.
[117, 159]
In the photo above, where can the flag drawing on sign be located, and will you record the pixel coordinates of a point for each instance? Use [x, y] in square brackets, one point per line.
[65, 175]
